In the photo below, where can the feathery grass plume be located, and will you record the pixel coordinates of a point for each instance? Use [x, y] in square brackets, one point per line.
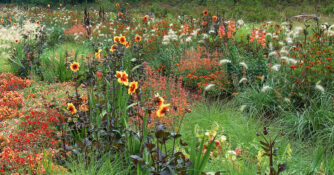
[284, 23]
[269, 35]
[292, 61]
[319, 87]
[297, 31]
[289, 40]
[188, 39]
[271, 54]
[231, 155]
[243, 64]
[212, 31]
[289, 60]
[324, 26]
[224, 61]
[276, 67]
[242, 108]
[209, 86]
[242, 80]
[205, 36]
[284, 58]
[287, 100]
[284, 51]
[270, 45]
[330, 31]
[265, 88]
[240, 23]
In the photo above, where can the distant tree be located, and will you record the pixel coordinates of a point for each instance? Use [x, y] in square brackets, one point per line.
[236, 1]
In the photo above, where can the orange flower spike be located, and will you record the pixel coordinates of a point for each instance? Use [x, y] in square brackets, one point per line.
[162, 110]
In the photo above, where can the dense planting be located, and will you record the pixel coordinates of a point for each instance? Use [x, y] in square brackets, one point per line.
[122, 92]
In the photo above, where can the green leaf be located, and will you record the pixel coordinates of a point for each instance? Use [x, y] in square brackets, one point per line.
[136, 67]
[131, 105]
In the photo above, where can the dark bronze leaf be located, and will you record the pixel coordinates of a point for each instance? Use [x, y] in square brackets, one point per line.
[264, 143]
[183, 143]
[175, 135]
[281, 167]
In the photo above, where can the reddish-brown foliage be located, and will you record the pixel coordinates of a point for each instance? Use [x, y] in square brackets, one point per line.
[76, 30]
[172, 91]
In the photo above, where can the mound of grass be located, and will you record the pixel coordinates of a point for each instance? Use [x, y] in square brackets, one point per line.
[4, 65]
[240, 131]
[55, 61]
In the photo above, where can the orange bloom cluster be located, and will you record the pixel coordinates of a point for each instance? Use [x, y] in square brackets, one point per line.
[79, 30]
[10, 100]
[313, 64]
[84, 103]
[231, 28]
[9, 82]
[221, 31]
[173, 92]
[21, 147]
[199, 71]
[20, 140]
[193, 60]
[259, 36]
[10, 105]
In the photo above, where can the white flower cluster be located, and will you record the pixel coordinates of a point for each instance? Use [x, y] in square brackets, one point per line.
[15, 33]
[170, 37]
